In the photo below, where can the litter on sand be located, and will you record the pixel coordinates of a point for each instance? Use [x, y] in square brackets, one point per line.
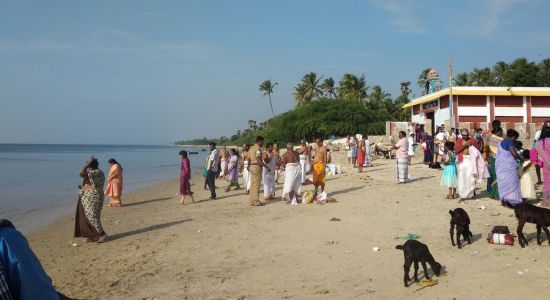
[410, 236]
[334, 219]
[375, 249]
[426, 283]
[322, 291]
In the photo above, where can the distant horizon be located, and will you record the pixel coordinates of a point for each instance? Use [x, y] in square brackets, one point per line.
[153, 73]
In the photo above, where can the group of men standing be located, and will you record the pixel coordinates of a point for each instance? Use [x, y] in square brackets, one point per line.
[263, 164]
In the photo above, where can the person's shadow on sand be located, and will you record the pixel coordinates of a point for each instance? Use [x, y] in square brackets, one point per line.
[146, 229]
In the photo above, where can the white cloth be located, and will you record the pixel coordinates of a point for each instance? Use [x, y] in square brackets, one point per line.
[303, 164]
[441, 136]
[269, 178]
[526, 183]
[466, 179]
[224, 167]
[293, 181]
[246, 176]
[367, 154]
[411, 148]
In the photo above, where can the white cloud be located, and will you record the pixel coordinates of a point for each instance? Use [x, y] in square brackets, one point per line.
[492, 14]
[117, 42]
[403, 15]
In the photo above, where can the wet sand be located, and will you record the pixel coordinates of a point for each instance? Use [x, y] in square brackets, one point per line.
[225, 249]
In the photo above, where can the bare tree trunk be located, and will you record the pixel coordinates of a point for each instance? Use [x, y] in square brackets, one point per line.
[271, 105]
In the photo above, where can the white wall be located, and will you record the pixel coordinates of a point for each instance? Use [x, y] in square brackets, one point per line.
[509, 111]
[441, 115]
[540, 111]
[418, 118]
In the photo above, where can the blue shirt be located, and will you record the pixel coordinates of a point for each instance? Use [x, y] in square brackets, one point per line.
[507, 143]
[24, 274]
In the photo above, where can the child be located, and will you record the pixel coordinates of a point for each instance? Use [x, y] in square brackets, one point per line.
[526, 182]
[449, 178]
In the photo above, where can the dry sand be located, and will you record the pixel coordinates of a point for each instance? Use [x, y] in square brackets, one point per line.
[225, 249]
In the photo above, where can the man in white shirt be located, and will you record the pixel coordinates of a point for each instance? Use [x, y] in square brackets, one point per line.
[213, 161]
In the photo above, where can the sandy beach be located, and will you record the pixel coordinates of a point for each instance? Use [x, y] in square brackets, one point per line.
[225, 249]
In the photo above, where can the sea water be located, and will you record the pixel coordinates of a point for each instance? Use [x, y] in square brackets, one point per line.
[39, 183]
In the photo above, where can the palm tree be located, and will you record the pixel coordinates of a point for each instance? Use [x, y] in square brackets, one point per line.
[328, 87]
[481, 77]
[267, 88]
[499, 70]
[378, 97]
[544, 72]
[461, 79]
[422, 79]
[353, 88]
[405, 90]
[308, 89]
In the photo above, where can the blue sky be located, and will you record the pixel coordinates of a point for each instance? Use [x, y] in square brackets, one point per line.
[152, 72]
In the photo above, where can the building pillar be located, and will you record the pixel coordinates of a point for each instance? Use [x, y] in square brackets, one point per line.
[491, 109]
[528, 113]
[455, 110]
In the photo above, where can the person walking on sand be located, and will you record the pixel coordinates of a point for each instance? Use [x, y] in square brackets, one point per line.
[368, 161]
[449, 171]
[319, 167]
[471, 167]
[543, 150]
[361, 150]
[246, 173]
[185, 177]
[268, 174]
[293, 175]
[277, 156]
[304, 154]
[402, 158]
[509, 189]
[224, 158]
[212, 168]
[255, 166]
[114, 184]
[232, 170]
[90, 202]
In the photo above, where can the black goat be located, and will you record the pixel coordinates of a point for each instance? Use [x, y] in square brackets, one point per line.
[528, 213]
[460, 220]
[415, 251]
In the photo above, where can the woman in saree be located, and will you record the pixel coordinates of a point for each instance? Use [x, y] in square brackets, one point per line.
[185, 177]
[114, 184]
[543, 149]
[90, 202]
[233, 170]
[491, 149]
[506, 166]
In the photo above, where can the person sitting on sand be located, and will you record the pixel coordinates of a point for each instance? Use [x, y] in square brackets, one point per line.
[293, 175]
[185, 177]
[114, 184]
[21, 274]
[232, 170]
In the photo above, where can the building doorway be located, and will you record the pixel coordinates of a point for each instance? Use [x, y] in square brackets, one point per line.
[430, 122]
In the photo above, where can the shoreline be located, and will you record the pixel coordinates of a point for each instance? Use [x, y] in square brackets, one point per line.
[225, 249]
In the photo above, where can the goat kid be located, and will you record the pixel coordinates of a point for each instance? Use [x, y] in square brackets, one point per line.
[416, 252]
[460, 220]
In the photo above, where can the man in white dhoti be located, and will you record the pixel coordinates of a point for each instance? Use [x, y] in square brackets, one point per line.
[367, 152]
[470, 166]
[268, 174]
[246, 174]
[304, 155]
[293, 175]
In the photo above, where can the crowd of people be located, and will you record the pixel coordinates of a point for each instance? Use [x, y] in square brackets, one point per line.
[498, 158]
